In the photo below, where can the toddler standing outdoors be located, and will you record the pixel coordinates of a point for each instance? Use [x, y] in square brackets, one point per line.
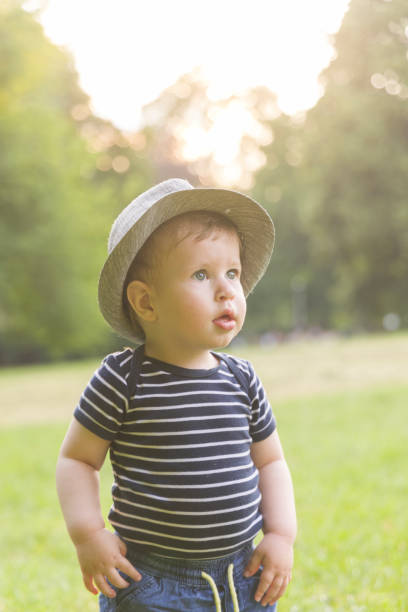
[197, 463]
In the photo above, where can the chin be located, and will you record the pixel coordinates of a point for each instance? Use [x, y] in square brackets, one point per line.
[223, 342]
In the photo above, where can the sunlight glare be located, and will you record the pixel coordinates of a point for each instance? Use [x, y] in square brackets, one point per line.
[128, 54]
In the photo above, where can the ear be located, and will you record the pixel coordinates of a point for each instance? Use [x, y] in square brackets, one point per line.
[139, 295]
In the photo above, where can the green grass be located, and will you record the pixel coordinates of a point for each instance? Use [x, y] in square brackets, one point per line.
[38, 572]
[347, 451]
[348, 455]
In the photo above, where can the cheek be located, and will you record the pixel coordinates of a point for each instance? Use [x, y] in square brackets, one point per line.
[194, 303]
[241, 301]
[188, 303]
[243, 309]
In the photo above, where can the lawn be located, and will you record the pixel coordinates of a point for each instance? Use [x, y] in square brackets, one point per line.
[346, 446]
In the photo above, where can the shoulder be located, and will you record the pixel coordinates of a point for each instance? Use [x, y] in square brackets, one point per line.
[237, 362]
[104, 401]
[243, 364]
[246, 369]
[242, 369]
[117, 365]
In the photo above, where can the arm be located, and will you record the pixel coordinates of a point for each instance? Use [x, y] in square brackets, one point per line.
[275, 552]
[100, 552]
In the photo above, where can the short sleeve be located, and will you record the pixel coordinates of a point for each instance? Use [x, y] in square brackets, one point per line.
[104, 401]
[263, 422]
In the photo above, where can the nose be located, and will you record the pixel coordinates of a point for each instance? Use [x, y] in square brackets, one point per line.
[225, 290]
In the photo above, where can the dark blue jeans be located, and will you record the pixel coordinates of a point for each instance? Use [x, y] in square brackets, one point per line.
[172, 585]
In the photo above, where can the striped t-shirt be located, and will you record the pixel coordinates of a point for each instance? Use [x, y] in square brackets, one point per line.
[184, 482]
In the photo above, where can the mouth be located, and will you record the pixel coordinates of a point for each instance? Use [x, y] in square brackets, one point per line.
[225, 321]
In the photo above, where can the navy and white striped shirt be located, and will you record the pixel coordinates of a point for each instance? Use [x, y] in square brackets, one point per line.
[184, 482]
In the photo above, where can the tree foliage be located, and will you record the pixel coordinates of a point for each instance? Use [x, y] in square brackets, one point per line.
[341, 178]
[59, 195]
[334, 181]
[356, 164]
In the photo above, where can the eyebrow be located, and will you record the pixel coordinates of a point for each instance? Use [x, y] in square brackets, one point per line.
[233, 264]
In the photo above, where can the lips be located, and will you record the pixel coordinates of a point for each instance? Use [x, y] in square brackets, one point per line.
[226, 320]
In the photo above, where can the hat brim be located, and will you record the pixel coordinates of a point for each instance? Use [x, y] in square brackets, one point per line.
[253, 223]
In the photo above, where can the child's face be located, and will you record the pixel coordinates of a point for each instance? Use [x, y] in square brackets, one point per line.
[198, 296]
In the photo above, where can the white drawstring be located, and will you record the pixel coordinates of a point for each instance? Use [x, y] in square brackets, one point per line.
[214, 589]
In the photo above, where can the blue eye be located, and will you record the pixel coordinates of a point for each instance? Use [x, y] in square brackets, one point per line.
[200, 275]
[232, 274]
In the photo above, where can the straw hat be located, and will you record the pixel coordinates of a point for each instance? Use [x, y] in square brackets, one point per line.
[162, 202]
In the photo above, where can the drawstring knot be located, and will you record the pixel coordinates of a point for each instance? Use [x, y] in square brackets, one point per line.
[214, 589]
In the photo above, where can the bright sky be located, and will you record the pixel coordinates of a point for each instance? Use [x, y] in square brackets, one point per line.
[128, 51]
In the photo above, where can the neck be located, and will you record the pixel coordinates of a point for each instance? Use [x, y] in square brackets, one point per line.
[201, 360]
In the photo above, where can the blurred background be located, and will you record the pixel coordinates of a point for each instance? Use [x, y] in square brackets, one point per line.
[302, 105]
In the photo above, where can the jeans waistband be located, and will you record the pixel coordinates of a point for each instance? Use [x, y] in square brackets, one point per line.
[188, 571]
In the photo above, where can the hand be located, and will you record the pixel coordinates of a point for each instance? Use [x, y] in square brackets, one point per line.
[101, 555]
[275, 554]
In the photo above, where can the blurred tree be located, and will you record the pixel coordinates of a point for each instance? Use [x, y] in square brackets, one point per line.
[354, 170]
[282, 300]
[64, 175]
[211, 141]
[339, 183]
